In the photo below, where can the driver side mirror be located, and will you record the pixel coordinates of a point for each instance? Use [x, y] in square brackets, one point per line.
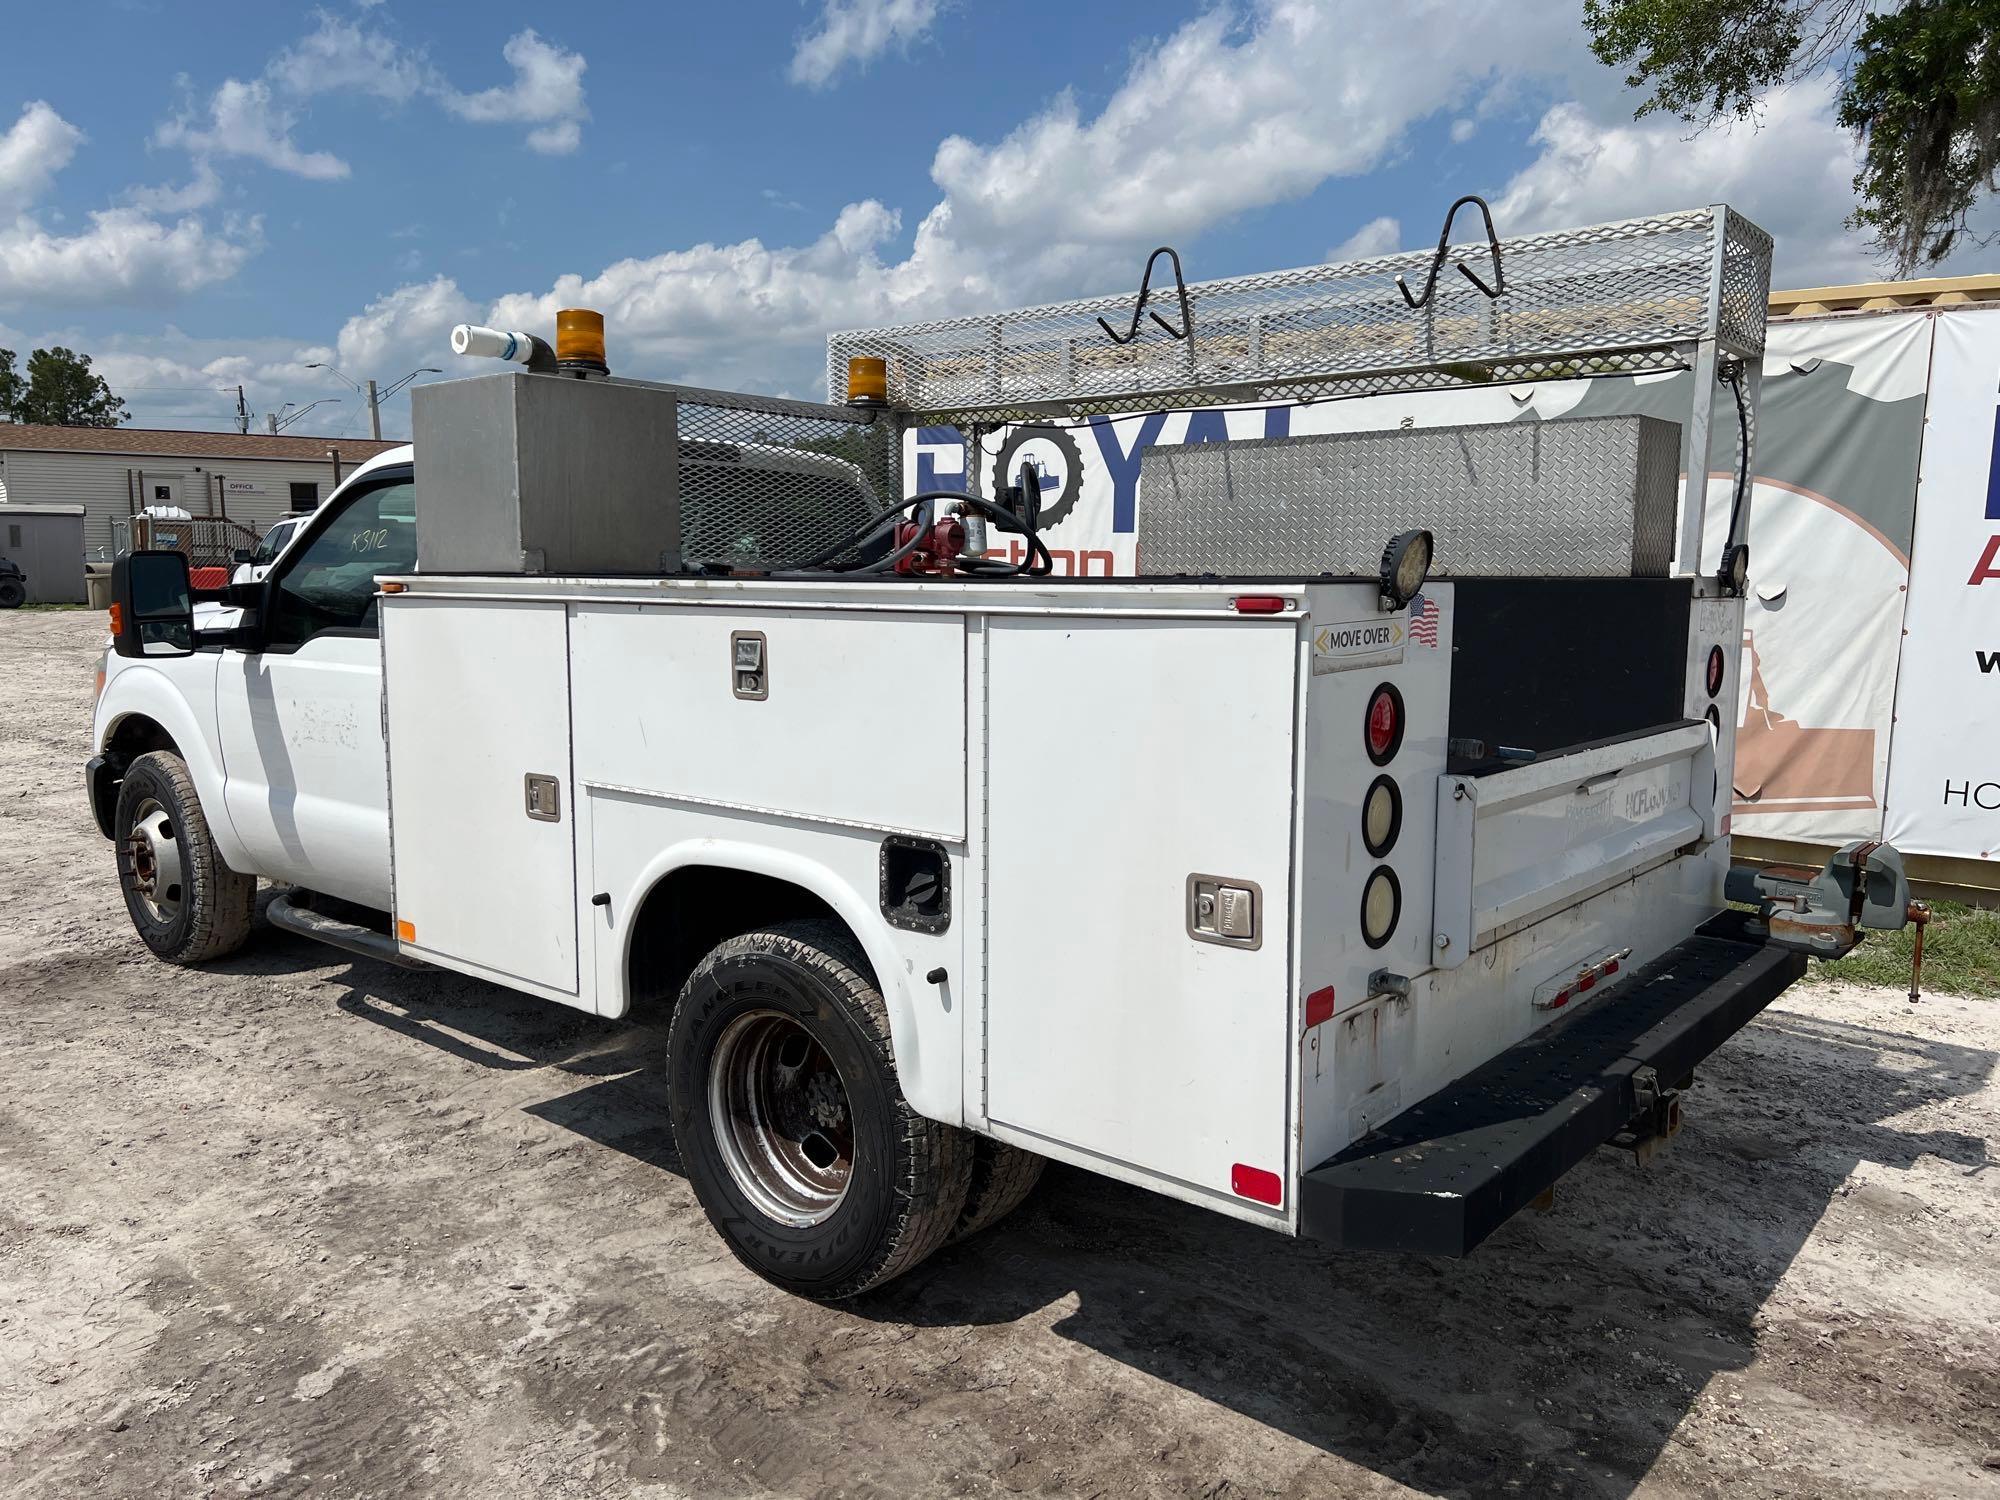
[242, 555]
[152, 605]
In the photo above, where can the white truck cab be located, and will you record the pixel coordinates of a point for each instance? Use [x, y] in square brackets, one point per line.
[1332, 876]
[283, 743]
[252, 563]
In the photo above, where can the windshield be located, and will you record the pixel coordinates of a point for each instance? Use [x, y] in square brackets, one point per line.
[274, 542]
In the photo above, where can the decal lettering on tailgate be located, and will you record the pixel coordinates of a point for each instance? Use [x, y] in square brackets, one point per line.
[1363, 643]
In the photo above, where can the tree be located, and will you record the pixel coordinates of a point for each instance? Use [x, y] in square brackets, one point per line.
[60, 390]
[1919, 86]
[10, 387]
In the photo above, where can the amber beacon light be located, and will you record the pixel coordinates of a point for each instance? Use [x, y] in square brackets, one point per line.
[580, 339]
[867, 381]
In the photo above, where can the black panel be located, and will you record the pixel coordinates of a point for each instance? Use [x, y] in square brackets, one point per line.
[1546, 663]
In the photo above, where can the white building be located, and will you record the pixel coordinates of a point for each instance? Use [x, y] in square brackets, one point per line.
[113, 472]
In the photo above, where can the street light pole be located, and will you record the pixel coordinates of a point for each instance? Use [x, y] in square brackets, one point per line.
[369, 393]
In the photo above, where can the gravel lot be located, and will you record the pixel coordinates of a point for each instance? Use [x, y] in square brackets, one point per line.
[298, 1224]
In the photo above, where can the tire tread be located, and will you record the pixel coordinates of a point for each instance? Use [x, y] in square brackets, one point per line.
[936, 1159]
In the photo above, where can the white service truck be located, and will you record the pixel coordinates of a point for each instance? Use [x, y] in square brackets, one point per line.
[1359, 895]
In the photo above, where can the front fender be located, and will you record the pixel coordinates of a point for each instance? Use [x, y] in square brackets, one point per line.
[144, 691]
[924, 1034]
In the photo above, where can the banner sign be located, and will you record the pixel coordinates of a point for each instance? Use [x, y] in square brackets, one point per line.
[1944, 767]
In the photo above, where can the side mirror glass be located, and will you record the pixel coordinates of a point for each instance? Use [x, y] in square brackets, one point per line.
[242, 555]
[152, 605]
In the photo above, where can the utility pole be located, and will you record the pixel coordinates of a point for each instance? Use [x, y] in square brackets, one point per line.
[242, 412]
[374, 413]
[271, 423]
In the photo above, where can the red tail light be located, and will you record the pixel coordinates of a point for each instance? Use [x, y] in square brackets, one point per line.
[1715, 666]
[1260, 604]
[1383, 730]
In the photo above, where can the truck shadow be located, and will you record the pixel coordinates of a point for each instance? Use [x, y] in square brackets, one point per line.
[1559, 1359]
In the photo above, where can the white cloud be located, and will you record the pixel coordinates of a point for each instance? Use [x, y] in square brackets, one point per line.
[857, 31]
[547, 92]
[35, 148]
[1790, 171]
[340, 56]
[127, 255]
[203, 189]
[244, 120]
[1463, 130]
[254, 120]
[1383, 236]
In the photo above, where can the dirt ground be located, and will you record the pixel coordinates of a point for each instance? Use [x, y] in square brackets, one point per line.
[303, 1225]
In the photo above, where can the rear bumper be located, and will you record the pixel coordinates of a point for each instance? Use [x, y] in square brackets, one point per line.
[1443, 1175]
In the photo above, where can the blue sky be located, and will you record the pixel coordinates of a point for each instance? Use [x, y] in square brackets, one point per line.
[199, 196]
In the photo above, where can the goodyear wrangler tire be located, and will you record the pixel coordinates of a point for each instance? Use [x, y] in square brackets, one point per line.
[187, 904]
[1002, 1178]
[790, 1121]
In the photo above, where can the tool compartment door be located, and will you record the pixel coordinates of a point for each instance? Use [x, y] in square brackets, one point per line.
[478, 701]
[1124, 757]
[1514, 847]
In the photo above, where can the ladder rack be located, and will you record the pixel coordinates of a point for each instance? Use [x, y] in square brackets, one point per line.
[1628, 297]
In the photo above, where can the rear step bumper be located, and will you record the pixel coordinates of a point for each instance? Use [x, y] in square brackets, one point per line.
[1444, 1174]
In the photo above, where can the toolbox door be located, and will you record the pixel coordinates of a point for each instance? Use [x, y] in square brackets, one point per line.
[481, 814]
[1135, 767]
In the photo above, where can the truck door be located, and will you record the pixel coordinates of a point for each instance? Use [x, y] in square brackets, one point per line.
[300, 721]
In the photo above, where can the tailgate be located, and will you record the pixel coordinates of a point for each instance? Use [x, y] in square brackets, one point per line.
[1518, 845]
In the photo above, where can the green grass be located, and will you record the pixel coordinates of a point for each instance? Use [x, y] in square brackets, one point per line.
[25, 608]
[1961, 955]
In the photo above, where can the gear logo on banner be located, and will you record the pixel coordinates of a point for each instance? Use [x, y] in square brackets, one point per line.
[1055, 453]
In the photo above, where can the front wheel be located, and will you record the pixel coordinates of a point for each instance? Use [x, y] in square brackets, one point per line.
[793, 1128]
[13, 593]
[186, 903]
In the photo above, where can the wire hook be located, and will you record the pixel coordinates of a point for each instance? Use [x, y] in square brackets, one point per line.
[1499, 286]
[1146, 292]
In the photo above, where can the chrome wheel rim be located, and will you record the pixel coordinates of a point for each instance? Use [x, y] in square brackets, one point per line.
[155, 856]
[781, 1117]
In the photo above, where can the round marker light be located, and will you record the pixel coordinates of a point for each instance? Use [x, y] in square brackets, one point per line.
[1381, 905]
[580, 338]
[1406, 563]
[867, 381]
[1381, 816]
[1715, 667]
[1382, 731]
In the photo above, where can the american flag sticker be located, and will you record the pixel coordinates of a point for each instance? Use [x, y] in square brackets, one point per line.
[1424, 622]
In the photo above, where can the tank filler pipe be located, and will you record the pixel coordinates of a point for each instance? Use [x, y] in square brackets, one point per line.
[497, 343]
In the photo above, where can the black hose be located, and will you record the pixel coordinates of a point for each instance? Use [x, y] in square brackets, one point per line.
[1037, 563]
[1734, 380]
[875, 524]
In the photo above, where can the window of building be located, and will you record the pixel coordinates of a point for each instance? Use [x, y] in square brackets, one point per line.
[305, 497]
[14, 533]
[163, 493]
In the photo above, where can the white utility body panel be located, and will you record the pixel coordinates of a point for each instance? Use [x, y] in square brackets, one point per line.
[1096, 762]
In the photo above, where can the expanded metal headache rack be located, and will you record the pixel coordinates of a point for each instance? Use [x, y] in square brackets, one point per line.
[1680, 291]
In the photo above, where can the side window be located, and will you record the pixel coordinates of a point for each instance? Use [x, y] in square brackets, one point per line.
[329, 583]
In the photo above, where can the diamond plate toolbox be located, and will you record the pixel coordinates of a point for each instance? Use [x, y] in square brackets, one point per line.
[1579, 496]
